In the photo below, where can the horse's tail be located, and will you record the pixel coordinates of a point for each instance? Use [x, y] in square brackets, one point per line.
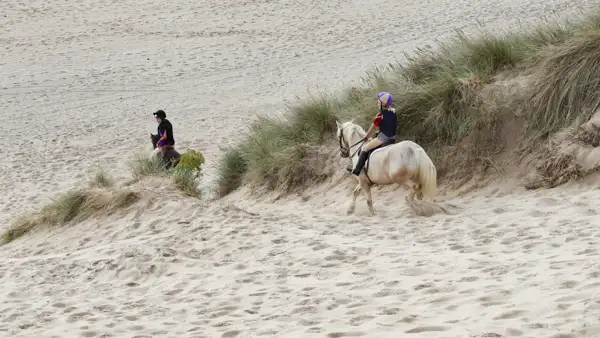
[427, 174]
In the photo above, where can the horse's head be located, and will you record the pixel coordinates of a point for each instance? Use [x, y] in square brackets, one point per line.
[342, 135]
[154, 139]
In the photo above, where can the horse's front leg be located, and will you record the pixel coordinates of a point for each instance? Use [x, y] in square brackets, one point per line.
[367, 189]
[355, 194]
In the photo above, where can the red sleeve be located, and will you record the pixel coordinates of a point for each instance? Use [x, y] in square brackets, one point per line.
[377, 119]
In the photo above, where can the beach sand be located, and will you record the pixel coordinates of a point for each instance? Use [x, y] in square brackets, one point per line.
[78, 84]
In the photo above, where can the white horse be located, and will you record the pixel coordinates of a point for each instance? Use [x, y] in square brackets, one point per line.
[405, 163]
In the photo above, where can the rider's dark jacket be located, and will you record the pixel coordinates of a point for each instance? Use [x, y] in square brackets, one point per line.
[165, 131]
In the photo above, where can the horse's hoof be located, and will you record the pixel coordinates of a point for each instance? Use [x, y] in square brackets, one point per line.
[350, 212]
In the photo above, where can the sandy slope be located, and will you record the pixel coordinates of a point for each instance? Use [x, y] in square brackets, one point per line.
[78, 81]
[513, 265]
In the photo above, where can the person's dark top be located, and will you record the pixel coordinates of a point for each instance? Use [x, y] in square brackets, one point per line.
[165, 131]
[386, 120]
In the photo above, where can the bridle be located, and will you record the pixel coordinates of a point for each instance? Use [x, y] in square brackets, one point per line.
[345, 152]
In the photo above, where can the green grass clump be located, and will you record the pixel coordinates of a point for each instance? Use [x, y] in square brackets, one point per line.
[142, 166]
[566, 83]
[231, 170]
[185, 175]
[276, 152]
[482, 56]
[192, 161]
[441, 103]
[102, 197]
[101, 180]
[75, 205]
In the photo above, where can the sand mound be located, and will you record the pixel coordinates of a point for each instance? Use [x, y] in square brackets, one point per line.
[568, 155]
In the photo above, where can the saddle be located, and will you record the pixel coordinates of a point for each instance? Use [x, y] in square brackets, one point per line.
[383, 145]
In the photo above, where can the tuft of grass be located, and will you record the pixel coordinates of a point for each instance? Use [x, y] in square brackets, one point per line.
[75, 205]
[483, 56]
[186, 181]
[276, 149]
[192, 161]
[566, 84]
[142, 166]
[231, 170]
[101, 180]
[312, 119]
[185, 175]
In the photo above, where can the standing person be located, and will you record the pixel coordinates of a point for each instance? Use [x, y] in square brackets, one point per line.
[165, 133]
[386, 121]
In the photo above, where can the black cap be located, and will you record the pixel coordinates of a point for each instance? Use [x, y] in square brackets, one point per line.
[161, 114]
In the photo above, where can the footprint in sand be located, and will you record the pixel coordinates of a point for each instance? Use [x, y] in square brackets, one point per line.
[78, 316]
[230, 334]
[509, 315]
[345, 334]
[422, 329]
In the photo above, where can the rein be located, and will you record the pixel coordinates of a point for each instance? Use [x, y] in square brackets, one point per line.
[345, 152]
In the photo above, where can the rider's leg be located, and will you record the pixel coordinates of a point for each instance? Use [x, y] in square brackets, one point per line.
[364, 153]
[155, 153]
[374, 143]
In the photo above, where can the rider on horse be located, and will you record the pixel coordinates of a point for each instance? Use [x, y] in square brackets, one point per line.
[386, 121]
[165, 132]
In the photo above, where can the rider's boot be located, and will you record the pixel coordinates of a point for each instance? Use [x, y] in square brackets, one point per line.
[362, 158]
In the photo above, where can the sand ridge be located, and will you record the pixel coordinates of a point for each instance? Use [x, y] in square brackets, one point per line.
[78, 83]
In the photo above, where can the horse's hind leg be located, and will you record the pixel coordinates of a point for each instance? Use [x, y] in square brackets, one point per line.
[414, 190]
[419, 193]
[355, 194]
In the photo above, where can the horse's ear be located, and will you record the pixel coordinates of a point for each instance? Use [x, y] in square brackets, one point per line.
[352, 121]
[338, 124]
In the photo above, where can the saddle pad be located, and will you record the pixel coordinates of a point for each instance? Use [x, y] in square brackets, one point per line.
[378, 149]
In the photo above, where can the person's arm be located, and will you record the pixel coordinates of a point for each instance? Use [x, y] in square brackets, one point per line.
[374, 124]
[163, 139]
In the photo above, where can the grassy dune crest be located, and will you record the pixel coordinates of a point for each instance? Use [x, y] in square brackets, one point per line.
[75, 205]
[446, 101]
[102, 196]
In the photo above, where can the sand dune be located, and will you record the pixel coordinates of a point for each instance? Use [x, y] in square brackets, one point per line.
[78, 83]
[506, 265]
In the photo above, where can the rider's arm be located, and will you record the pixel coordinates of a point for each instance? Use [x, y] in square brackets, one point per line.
[163, 139]
[377, 119]
[374, 124]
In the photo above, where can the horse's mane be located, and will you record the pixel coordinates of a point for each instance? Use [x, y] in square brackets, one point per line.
[355, 128]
